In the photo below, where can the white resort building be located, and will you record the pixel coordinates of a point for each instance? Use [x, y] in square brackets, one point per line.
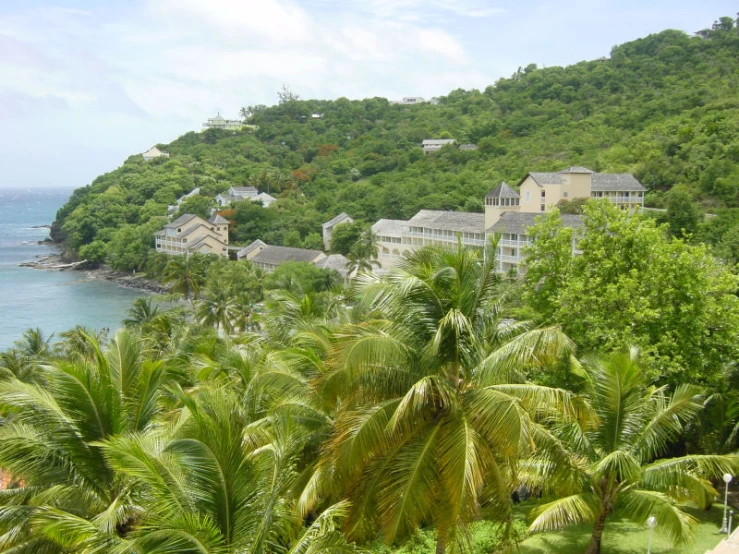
[190, 233]
[508, 214]
[268, 257]
[220, 122]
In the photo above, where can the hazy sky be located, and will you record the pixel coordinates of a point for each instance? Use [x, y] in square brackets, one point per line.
[85, 83]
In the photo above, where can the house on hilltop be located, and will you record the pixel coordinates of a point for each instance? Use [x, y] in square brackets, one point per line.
[190, 233]
[153, 153]
[220, 122]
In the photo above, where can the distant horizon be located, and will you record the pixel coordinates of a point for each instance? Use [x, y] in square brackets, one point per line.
[85, 84]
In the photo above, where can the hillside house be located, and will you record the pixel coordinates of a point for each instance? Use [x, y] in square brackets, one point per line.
[329, 226]
[409, 101]
[434, 145]
[220, 122]
[153, 153]
[236, 194]
[172, 208]
[268, 257]
[190, 233]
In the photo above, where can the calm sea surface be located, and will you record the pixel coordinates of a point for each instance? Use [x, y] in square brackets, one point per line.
[54, 301]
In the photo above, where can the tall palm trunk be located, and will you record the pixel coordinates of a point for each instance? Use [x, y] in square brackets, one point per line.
[441, 544]
[600, 523]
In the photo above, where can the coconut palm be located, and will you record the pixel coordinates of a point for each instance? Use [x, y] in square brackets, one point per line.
[218, 482]
[142, 311]
[363, 254]
[217, 309]
[433, 410]
[613, 465]
[186, 274]
[49, 441]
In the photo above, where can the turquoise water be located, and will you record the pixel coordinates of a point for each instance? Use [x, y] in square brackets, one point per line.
[54, 301]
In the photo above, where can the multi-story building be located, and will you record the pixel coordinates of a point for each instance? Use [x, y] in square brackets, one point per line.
[190, 233]
[508, 215]
[220, 122]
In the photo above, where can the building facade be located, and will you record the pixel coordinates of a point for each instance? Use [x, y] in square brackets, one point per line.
[329, 226]
[220, 122]
[190, 233]
[268, 257]
[434, 145]
[508, 215]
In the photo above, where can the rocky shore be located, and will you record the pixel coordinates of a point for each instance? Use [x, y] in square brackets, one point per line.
[127, 280]
[54, 262]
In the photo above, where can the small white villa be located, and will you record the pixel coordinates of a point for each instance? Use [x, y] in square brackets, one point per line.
[434, 145]
[220, 122]
[239, 194]
[329, 226]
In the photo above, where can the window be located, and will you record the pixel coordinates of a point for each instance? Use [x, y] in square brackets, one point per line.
[543, 207]
[528, 196]
[543, 194]
[564, 194]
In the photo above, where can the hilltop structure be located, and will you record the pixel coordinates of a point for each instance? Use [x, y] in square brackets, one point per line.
[508, 214]
[220, 122]
[190, 233]
[434, 145]
[153, 153]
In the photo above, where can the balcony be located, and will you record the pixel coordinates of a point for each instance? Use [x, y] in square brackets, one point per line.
[509, 259]
[514, 243]
[622, 199]
[438, 237]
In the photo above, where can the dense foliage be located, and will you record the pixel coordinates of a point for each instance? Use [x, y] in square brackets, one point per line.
[662, 107]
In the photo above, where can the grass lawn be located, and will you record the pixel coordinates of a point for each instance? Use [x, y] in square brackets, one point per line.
[624, 537]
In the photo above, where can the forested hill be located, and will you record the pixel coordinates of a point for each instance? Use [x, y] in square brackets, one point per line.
[665, 107]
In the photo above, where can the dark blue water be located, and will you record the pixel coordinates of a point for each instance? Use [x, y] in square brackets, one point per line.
[54, 301]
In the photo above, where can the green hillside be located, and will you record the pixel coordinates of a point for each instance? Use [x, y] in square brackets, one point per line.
[663, 107]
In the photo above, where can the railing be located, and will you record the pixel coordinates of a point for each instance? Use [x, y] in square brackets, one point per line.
[622, 199]
[509, 259]
[444, 238]
[514, 243]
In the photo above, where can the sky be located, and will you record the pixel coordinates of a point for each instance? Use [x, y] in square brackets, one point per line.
[86, 83]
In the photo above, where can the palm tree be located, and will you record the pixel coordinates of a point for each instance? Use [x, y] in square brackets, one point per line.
[437, 411]
[186, 274]
[142, 312]
[613, 465]
[50, 442]
[217, 309]
[218, 481]
[363, 254]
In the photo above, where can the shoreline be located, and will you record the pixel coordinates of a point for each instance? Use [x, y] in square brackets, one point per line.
[54, 262]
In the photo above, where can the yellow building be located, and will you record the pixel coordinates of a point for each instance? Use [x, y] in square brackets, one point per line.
[190, 233]
[508, 214]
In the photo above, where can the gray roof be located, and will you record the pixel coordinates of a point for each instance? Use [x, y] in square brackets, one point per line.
[519, 222]
[218, 220]
[449, 221]
[180, 221]
[335, 221]
[337, 262]
[437, 142]
[468, 147]
[616, 181]
[244, 189]
[389, 227]
[599, 181]
[263, 196]
[503, 190]
[275, 255]
[577, 169]
[244, 251]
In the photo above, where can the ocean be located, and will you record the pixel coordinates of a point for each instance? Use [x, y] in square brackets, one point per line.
[53, 301]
